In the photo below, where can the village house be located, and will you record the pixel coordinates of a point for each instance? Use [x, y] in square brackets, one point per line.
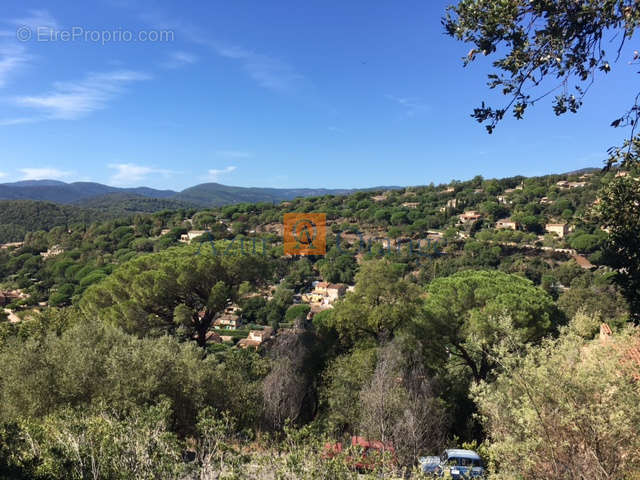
[52, 252]
[379, 198]
[256, 338]
[560, 229]
[190, 235]
[8, 296]
[502, 199]
[229, 319]
[507, 223]
[452, 203]
[227, 322]
[11, 245]
[335, 291]
[545, 201]
[564, 184]
[164, 231]
[411, 204]
[448, 190]
[325, 293]
[470, 216]
[212, 337]
[312, 297]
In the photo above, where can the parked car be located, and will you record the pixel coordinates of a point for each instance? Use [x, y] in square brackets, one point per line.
[460, 464]
[371, 453]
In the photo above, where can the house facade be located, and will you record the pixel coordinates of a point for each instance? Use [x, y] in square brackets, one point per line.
[560, 229]
[507, 223]
[470, 216]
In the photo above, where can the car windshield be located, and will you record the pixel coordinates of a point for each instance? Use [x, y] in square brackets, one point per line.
[464, 462]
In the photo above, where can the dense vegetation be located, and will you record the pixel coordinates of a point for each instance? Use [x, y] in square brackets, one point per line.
[420, 355]
[505, 341]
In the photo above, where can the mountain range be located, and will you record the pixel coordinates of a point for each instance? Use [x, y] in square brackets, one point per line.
[146, 199]
[97, 195]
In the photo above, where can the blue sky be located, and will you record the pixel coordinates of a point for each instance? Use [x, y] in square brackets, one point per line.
[279, 94]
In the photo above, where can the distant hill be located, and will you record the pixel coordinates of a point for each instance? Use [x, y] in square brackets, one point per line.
[60, 192]
[203, 195]
[131, 203]
[215, 194]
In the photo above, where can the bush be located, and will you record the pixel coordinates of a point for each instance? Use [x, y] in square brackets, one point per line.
[296, 312]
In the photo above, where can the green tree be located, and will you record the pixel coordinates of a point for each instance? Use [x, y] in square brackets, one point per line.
[343, 379]
[545, 47]
[619, 211]
[174, 289]
[296, 313]
[468, 313]
[100, 444]
[382, 303]
[567, 409]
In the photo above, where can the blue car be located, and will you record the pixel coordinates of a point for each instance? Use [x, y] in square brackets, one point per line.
[460, 464]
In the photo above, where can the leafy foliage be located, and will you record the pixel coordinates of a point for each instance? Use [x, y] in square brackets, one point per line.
[465, 315]
[565, 410]
[541, 40]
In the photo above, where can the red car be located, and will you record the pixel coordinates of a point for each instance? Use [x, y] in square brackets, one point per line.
[372, 456]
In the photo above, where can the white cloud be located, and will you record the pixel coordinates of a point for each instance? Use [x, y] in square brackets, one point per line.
[12, 59]
[72, 100]
[14, 56]
[179, 59]
[37, 19]
[45, 173]
[234, 154]
[267, 71]
[214, 174]
[410, 105]
[17, 121]
[130, 173]
[3, 174]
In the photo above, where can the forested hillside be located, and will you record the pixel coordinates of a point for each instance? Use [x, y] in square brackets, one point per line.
[439, 305]
[19, 217]
[485, 328]
[61, 192]
[121, 204]
[203, 195]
